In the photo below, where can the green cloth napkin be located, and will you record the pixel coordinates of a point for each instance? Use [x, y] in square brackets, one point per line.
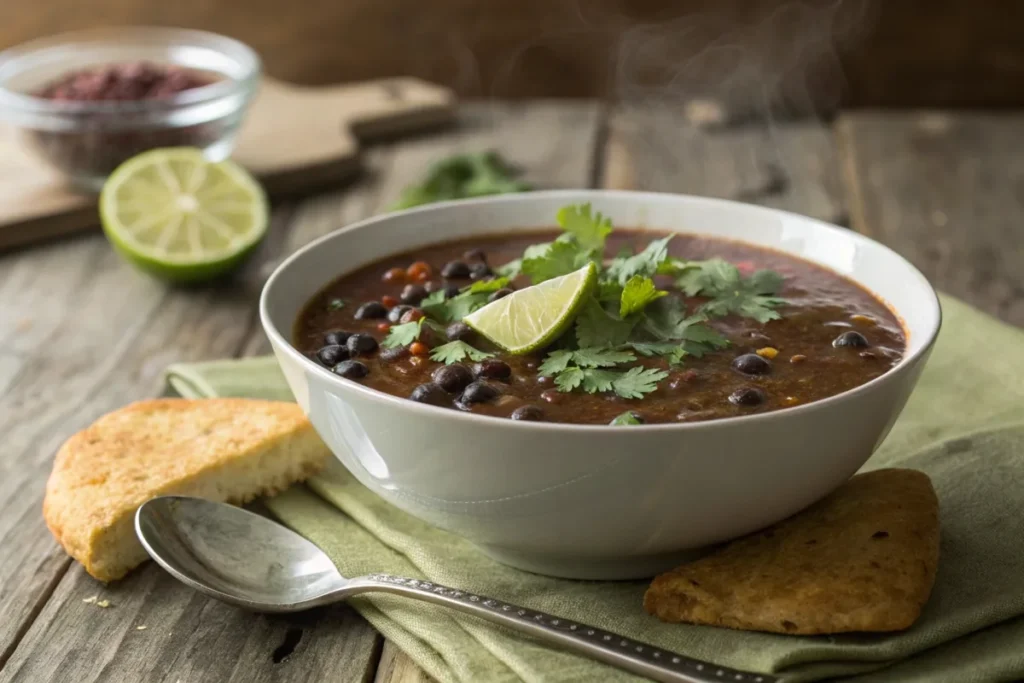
[964, 426]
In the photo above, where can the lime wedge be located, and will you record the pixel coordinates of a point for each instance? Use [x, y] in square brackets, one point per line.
[533, 317]
[181, 217]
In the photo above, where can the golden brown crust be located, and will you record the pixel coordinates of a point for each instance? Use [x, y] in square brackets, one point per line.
[224, 449]
[862, 559]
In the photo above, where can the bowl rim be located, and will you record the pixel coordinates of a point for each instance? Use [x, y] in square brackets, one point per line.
[42, 106]
[386, 400]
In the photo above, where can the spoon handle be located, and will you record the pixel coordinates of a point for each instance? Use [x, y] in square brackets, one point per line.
[636, 657]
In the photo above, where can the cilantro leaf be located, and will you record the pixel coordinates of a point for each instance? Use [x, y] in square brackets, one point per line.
[672, 352]
[627, 418]
[666, 318]
[673, 266]
[486, 286]
[558, 259]
[729, 292]
[765, 282]
[597, 381]
[637, 381]
[462, 304]
[569, 379]
[463, 175]
[555, 362]
[511, 269]
[708, 278]
[601, 358]
[455, 351]
[698, 337]
[608, 291]
[433, 299]
[589, 230]
[403, 335]
[596, 327]
[638, 292]
[646, 263]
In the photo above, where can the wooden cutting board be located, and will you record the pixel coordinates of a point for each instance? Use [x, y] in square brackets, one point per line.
[294, 139]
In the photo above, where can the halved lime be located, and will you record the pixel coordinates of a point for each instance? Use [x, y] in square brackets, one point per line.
[533, 317]
[181, 217]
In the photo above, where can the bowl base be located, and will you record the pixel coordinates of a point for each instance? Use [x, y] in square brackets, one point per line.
[591, 568]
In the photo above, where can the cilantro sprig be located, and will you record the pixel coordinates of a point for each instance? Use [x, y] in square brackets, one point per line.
[456, 351]
[731, 293]
[588, 369]
[471, 298]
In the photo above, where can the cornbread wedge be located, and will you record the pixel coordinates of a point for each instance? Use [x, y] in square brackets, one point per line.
[221, 449]
[862, 559]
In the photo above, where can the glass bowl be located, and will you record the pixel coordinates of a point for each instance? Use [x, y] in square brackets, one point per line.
[86, 140]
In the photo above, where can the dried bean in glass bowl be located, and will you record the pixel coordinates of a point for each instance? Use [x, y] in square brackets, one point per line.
[85, 102]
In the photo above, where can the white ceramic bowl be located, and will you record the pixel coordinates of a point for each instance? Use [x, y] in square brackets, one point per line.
[598, 501]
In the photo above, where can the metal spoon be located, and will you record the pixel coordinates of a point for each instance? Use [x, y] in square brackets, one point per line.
[248, 560]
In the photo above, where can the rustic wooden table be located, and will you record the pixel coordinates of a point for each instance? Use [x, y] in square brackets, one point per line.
[82, 334]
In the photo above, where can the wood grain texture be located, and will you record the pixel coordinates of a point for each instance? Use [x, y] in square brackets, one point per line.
[946, 190]
[789, 166]
[98, 644]
[118, 331]
[397, 667]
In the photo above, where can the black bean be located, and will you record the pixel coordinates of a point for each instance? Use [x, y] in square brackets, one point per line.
[413, 294]
[528, 413]
[430, 393]
[479, 271]
[478, 392]
[361, 343]
[430, 286]
[475, 255]
[452, 378]
[747, 396]
[352, 369]
[335, 337]
[371, 310]
[457, 331]
[455, 270]
[451, 291]
[851, 338]
[492, 368]
[500, 294]
[752, 364]
[332, 355]
[395, 314]
[394, 354]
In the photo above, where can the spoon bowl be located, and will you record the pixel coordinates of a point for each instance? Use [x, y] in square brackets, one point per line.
[235, 555]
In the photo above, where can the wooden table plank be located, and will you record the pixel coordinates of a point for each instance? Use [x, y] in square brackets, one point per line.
[100, 645]
[396, 667]
[947, 192]
[791, 165]
[172, 325]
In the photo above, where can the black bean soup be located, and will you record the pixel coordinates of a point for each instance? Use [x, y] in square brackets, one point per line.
[832, 336]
